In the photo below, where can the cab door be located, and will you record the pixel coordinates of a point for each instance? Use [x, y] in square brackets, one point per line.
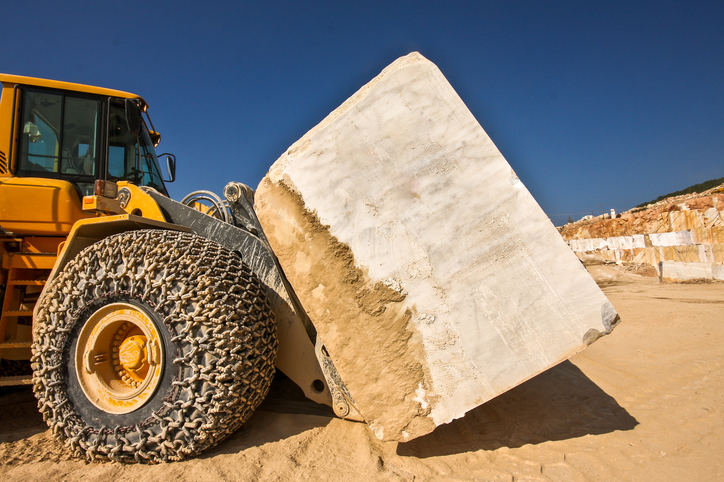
[58, 154]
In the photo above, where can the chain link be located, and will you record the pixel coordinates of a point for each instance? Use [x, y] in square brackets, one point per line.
[220, 322]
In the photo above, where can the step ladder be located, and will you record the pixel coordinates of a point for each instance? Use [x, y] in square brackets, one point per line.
[24, 272]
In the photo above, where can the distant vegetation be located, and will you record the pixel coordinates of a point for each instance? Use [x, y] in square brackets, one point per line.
[695, 188]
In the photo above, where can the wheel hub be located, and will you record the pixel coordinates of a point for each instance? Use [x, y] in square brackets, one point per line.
[132, 354]
[119, 358]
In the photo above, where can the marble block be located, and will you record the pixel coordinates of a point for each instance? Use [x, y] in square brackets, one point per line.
[433, 278]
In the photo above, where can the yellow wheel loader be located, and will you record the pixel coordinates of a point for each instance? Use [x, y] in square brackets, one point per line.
[154, 336]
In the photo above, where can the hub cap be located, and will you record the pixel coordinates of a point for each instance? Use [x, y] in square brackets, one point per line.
[119, 358]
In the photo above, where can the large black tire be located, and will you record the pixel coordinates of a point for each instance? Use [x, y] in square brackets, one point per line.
[212, 318]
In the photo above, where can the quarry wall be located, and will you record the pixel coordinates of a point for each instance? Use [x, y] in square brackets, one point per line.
[685, 235]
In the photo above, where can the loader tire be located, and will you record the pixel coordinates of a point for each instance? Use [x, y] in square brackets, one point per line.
[152, 346]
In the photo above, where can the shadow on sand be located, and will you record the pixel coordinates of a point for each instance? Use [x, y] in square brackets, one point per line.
[285, 412]
[560, 403]
[19, 415]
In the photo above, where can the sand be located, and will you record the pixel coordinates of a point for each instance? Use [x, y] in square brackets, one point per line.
[644, 403]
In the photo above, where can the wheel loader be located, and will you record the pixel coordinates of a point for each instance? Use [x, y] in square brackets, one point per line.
[155, 334]
[417, 280]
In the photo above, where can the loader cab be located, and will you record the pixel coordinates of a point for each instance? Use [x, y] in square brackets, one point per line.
[80, 137]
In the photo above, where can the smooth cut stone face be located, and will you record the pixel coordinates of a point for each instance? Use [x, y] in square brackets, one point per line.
[433, 277]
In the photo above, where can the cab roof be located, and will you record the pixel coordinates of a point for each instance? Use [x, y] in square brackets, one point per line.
[56, 84]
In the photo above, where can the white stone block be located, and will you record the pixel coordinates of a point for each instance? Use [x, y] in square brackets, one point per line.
[717, 271]
[680, 271]
[675, 238]
[433, 278]
[616, 242]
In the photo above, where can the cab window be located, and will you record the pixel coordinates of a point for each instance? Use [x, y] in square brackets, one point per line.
[60, 137]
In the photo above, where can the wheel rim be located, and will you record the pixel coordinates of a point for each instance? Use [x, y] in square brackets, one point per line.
[119, 358]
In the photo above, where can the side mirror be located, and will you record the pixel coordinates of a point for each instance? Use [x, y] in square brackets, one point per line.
[133, 117]
[170, 167]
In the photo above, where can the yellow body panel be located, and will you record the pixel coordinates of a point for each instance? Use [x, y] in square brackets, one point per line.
[140, 203]
[136, 202]
[38, 206]
[57, 84]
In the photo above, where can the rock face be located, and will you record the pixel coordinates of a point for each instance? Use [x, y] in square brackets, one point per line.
[433, 278]
[685, 229]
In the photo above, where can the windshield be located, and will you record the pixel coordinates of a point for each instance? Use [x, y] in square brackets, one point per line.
[131, 158]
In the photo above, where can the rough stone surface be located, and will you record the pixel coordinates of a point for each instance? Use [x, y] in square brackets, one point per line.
[432, 276]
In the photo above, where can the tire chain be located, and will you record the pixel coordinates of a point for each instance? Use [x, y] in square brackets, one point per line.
[222, 325]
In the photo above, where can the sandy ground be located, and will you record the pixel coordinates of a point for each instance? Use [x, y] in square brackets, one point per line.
[645, 403]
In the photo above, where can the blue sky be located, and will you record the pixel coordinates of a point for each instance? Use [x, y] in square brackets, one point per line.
[596, 105]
